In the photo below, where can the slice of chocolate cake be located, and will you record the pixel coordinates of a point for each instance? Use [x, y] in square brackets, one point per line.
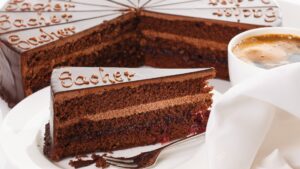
[39, 35]
[105, 109]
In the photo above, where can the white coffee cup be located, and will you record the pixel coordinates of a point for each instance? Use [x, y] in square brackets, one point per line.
[239, 70]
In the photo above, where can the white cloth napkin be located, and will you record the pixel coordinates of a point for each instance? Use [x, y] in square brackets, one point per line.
[256, 124]
[274, 160]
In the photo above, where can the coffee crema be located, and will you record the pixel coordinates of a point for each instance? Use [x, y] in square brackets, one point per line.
[270, 50]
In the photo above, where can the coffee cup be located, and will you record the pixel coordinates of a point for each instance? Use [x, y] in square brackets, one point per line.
[239, 69]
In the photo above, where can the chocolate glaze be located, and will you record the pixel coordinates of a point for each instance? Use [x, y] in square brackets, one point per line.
[11, 87]
[21, 23]
[74, 78]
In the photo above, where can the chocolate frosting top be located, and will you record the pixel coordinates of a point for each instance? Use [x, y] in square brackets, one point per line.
[27, 24]
[74, 78]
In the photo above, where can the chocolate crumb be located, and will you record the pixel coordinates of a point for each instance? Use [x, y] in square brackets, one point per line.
[101, 163]
[81, 163]
[98, 160]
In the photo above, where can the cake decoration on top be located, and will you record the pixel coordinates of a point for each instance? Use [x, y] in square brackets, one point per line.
[73, 78]
[41, 38]
[67, 81]
[64, 15]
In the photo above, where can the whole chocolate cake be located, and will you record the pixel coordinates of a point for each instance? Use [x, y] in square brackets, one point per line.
[105, 109]
[39, 35]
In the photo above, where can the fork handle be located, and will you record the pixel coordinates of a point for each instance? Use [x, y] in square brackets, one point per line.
[183, 140]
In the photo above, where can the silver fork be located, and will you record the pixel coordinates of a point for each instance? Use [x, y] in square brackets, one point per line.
[146, 159]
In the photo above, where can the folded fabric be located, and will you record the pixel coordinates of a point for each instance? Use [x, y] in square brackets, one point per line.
[242, 119]
[274, 160]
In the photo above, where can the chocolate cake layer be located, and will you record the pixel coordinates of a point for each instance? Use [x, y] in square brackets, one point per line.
[38, 33]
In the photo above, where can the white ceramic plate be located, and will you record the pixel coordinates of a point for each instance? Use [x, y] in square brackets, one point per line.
[22, 138]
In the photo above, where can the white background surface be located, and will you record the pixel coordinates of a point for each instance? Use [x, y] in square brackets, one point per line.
[290, 10]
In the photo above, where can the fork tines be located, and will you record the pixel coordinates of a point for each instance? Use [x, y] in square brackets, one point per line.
[120, 162]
